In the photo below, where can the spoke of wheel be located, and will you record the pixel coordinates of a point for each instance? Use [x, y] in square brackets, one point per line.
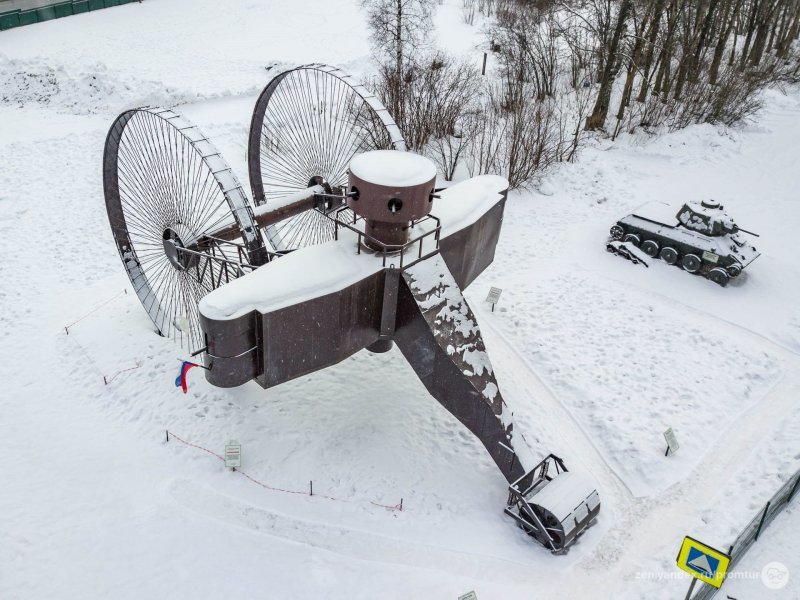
[312, 122]
[162, 184]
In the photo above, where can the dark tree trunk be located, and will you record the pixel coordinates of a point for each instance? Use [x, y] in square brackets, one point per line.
[701, 42]
[633, 63]
[786, 42]
[598, 117]
[719, 50]
[750, 27]
[762, 32]
[651, 47]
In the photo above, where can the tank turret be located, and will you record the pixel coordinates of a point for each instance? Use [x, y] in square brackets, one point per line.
[709, 218]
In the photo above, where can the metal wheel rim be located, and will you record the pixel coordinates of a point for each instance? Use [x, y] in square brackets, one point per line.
[650, 248]
[632, 238]
[162, 176]
[669, 255]
[692, 263]
[292, 141]
[719, 276]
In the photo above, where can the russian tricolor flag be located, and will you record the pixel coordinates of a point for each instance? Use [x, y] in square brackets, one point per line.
[180, 380]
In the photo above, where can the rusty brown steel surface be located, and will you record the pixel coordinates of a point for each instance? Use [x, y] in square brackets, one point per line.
[233, 349]
[311, 335]
[374, 200]
[423, 336]
[232, 232]
[386, 234]
[320, 332]
[470, 250]
[296, 340]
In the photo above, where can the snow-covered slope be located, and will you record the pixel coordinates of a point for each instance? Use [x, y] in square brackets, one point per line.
[595, 356]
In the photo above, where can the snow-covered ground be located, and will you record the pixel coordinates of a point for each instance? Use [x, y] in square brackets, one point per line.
[596, 356]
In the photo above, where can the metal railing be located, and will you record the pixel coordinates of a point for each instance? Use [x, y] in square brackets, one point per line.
[218, 253]
[755, 528]
[388, 251]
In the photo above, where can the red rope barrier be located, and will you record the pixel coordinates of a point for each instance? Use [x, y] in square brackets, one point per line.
[170, 434]
[108, 380]
[397, 507]
[66, 327]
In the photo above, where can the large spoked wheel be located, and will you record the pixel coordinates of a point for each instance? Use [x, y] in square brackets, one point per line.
[307, 125]
[167, 190]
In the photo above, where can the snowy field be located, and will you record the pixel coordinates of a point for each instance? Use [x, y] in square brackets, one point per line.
[596, 356]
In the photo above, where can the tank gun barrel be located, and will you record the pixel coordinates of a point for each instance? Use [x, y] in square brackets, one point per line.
[747, 232]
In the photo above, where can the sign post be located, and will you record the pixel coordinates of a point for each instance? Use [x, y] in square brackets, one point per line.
[702, 562]
[672, 441]
[233, 455]
[494, 296]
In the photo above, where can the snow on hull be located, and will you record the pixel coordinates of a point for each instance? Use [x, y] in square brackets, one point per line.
[659, 219]
[464, 203]
[298, 276]
[334, 265]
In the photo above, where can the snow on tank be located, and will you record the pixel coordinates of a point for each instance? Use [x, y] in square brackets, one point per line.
[701, 237]
[707, 217]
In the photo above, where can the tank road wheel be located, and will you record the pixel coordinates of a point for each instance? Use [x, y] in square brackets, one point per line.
[617, 232]
[668, 255]
[650, 247]
[632, 238]
[719, 276]
[166, 189]
[734, 270]
[307, 125]
[692, 263]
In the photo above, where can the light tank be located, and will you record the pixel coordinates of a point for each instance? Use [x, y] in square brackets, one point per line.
[701, 238]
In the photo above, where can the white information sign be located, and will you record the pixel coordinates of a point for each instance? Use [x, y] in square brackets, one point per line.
[672, 441]
[494, 295]
[233, 455]
[468, 596]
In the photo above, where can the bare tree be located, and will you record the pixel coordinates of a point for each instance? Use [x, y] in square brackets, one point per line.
[449, 150]
[435, 92]
[398, 31]
[669, 63]
[598, 117]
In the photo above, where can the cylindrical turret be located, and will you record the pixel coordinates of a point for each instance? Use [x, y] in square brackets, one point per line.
[393, 188]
